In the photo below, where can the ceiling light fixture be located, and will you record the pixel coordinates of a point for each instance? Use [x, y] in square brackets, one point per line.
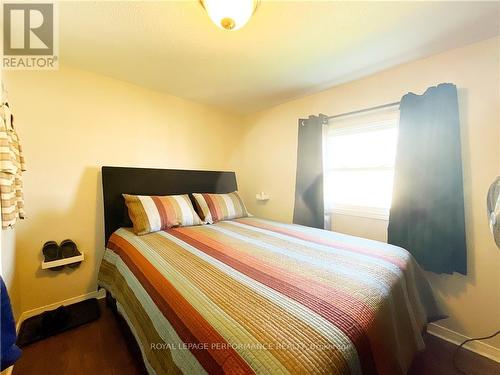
[230, 14]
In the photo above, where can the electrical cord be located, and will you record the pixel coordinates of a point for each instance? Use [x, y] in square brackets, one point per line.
[465, 342]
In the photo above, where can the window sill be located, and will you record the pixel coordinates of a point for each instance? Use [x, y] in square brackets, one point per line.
[367, 212]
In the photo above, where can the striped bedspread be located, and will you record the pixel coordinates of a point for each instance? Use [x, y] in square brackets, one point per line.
[254, 296]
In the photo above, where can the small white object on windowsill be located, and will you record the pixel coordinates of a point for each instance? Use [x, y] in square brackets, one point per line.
[62, 262]
[262, 196]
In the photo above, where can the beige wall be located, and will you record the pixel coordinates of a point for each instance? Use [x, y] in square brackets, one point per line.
[9, 270]
[71, 123]
[268, 157]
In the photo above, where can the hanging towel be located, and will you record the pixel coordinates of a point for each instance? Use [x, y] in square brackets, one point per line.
[9, 351]
[11, 166]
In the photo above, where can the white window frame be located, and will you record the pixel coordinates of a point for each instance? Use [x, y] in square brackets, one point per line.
[388, 120]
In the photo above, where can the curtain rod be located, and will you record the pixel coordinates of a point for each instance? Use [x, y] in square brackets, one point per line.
[364, 110]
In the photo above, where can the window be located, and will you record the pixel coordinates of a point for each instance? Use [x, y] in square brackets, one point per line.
[359, 155]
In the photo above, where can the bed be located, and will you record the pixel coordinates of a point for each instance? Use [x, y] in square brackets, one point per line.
[251, 295]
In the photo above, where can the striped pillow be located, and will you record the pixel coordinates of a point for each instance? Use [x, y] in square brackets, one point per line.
[216, 207]
[154, 213]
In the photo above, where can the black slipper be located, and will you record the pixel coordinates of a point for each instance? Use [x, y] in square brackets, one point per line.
[51, 251]
[68, 250]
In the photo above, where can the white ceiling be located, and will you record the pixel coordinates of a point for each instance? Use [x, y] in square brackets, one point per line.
[288, 49]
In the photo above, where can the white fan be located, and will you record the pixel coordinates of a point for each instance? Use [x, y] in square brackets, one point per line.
[493, 206]
[493, 203]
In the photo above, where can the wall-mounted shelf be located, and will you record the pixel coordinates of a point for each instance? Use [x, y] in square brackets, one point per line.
[62, 262]
[262, 197]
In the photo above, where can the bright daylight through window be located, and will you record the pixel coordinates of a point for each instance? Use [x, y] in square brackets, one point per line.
[359, 155]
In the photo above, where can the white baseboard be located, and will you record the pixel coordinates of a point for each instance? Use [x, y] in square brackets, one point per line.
[39, 310]
[99, 294]
[479, 347]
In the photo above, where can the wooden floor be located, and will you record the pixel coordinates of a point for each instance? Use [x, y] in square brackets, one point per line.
[103, 347]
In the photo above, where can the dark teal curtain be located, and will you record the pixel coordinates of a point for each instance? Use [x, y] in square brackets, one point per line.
[427, 214]
[309, 205]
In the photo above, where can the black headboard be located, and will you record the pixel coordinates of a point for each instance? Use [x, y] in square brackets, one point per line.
[148, 181]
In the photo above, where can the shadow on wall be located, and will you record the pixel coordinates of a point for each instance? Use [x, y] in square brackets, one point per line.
[82, 222]
[9, 269]
[99, 244]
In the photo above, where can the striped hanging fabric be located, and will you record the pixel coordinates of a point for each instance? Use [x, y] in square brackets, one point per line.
[11, 166]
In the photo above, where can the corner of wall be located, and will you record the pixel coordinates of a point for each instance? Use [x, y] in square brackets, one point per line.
[8, 267]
